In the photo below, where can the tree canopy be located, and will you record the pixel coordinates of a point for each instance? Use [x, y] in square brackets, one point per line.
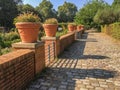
[86, 14]
[109, 14]
[26, 8]
[8, 10]
[116, 3]
[67, 12]
[45, 8]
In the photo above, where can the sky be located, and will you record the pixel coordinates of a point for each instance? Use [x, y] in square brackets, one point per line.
[56, 3]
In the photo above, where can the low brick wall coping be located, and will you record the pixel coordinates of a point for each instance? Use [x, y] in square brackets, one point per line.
[50, 38]
[68, 34]
[27, 45]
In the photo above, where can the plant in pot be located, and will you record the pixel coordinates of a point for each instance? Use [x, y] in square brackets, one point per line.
[71, 27]
[28, 25]
[50, 26]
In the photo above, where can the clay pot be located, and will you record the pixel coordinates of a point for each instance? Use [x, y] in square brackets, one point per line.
[79, 27]
[82, 26]
[71, 27]
[75, 27]
[50, 29]
[28, 31]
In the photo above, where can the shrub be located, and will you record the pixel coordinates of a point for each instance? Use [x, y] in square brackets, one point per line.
[14, 30]
[16, 40]
[11, 36]
[112, 30]
[7, 43]
[5, 51]
[63, 25]
[1, 41]
[51, 21]
[116, 31]
[41, 34]
[27, 17]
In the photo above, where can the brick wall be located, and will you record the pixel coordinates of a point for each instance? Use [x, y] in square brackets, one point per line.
[16, 69]
[66, 40]
[39, 58]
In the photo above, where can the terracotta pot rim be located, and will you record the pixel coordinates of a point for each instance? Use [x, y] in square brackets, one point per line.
[50, 24]
[27, 23]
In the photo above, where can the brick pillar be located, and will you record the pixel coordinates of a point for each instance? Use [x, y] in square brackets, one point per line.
[39, 51]
[76, 35]
[49, 40]
[79, 34]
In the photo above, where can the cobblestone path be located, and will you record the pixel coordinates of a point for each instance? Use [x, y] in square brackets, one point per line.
[91, 63]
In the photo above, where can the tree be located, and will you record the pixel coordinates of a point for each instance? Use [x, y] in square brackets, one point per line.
[45, 8]
[67, 12]
[86, 14]
[26, 8]
[8, 11]
[105, 16]
[109, 14]
[116, 3]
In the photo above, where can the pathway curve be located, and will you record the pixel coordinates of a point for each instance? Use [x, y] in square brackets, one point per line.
[91, 63]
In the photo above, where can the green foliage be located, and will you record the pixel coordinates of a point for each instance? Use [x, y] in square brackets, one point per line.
[116, 4]
[86, 14]
[45, 8]
[8, 11]
[1, 41]
[5, 51]
[41, 34]
[67, 12]
[13, 30]
[7, 40]
[112, 30]
[60, 33]
[64, 29]
[27, 17]
[105, 16]
[51, 21]
[109, 14]
[28, 8]
[11, 36]
[116, 31]
[63, 25]
[25, 8]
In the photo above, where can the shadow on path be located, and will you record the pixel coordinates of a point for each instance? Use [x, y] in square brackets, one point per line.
[76, 50]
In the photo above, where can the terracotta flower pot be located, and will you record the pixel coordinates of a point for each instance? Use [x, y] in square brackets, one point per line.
[75, 27]
[50, 29]
[82, 26]
[79, 27]
[71, 28]
[28, 31]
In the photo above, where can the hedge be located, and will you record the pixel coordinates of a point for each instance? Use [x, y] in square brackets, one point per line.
[112, 30]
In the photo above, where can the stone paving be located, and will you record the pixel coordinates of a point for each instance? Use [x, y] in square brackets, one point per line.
[91, 63]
